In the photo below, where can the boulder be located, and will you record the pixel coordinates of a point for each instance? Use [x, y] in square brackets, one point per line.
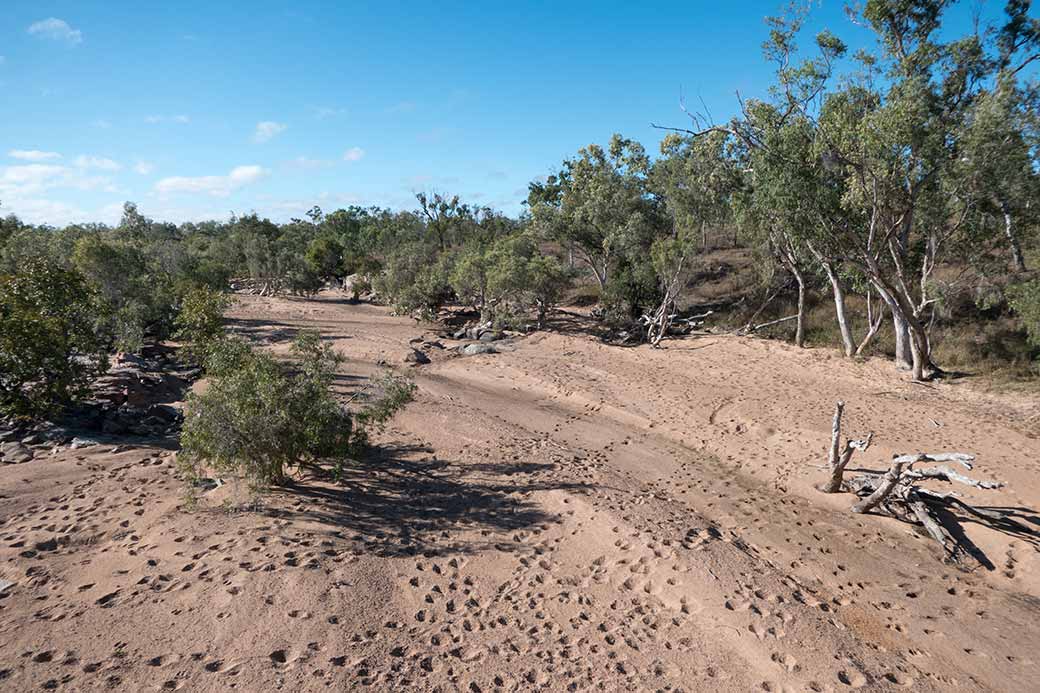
[417, 357]
[83, 442]
[479, 348]
[15, 453]
[491, 336]
[165, 412]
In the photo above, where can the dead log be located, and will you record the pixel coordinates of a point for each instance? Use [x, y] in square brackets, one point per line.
[839, 458]
[896, 493]
[951, 547]
[887, 484]
[749, 328]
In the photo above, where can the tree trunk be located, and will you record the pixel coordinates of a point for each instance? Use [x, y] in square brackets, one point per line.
[1016, 250]
[873, 323]
[904, 358]
[799, 333]
[839, 309]
[915, 335]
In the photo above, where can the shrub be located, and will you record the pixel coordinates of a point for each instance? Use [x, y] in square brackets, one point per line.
[200, 320]
[258, 418]
[49, 347]
[1025, 301]
[413, 281]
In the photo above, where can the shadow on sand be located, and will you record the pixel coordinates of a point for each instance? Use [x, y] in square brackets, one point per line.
[396, 505]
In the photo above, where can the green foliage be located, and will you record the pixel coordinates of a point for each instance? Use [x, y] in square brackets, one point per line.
[200, 320]
[394, 392]
[137, 296]
[49, 347]
[415, 280]
[1025, 301]
[599, 205]
[632, 291]
[325, 257]
[260, 418]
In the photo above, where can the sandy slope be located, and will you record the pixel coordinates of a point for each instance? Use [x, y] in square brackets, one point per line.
[567, 515]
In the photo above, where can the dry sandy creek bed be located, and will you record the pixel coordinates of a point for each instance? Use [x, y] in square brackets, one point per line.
[563, 516]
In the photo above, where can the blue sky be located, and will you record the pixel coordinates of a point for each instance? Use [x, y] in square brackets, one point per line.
[198, 109]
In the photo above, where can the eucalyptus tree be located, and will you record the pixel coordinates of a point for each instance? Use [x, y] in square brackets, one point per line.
[599, 205]
[894, 134]
[998, 159]
[694, 179]
[446, 218]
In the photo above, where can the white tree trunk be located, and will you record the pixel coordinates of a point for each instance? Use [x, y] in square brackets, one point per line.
[1016, 250]
[839, 309]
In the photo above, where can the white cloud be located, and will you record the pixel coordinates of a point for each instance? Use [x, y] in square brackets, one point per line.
[98, 162]
[33, 155]
[23, 181]
[267, 129]
[41, 211]
[31, 172]
[218, 186]
[167, 119]
[144, 167]
[354, 154]
[21, 186]
[56, 30]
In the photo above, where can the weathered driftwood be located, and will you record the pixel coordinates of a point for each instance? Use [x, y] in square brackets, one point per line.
[883, 488]
[840, 457]
[749, 328]
[897, 493]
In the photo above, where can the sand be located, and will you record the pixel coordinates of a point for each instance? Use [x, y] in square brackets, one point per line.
[564, 515]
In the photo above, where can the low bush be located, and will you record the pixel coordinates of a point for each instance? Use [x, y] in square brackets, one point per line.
[200, 320]
[260, 417]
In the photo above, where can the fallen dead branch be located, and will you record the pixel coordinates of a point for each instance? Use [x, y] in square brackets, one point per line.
[840, 457]
[749, 328]
[897, 491]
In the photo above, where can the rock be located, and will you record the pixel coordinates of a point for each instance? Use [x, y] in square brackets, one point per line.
[5, 585]
[15, 453]
[433, 345]
[83, 442]
[165, 412]
[480, 348]
[417, 357]
[491, 336]
[132, 361]
[207, 484]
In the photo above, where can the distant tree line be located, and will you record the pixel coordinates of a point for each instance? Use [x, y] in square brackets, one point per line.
[902, 177]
